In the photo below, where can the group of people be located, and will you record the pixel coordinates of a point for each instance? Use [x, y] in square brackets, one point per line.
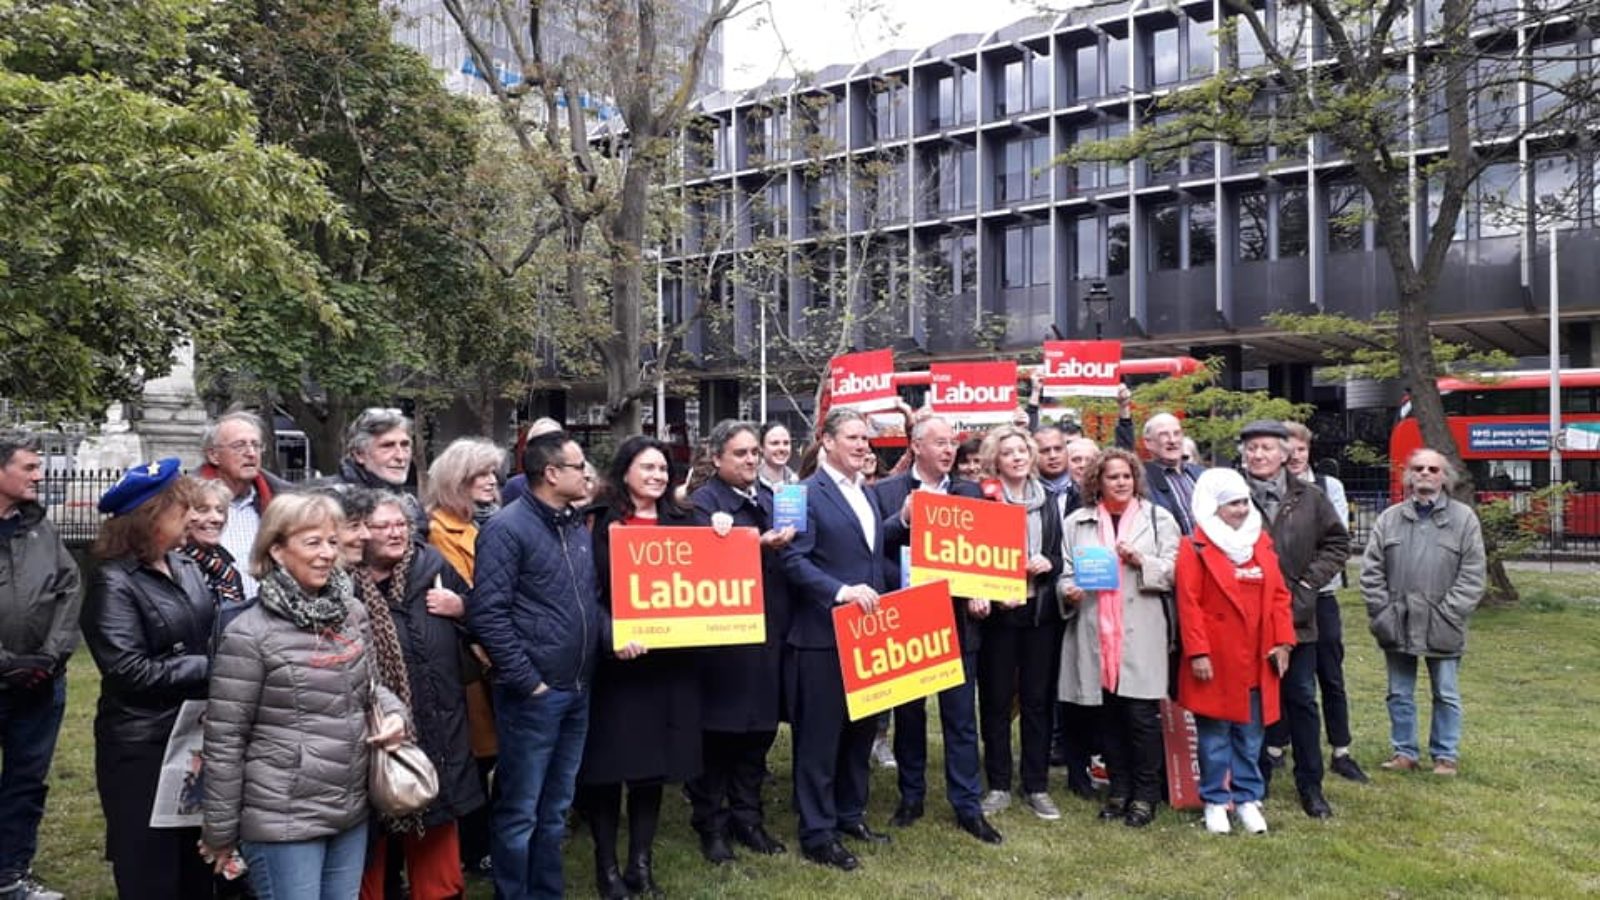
[319, 624]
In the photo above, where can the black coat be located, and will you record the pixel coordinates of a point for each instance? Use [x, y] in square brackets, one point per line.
[151, 636]
[892, 493]
[740, 686]
[432, 646]
[644, 714]
[1042, 607]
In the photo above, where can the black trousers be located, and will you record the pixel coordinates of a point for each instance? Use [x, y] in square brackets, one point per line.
[154, 863]
[1330, 670]
[1132, 740]
[1080, 733]
[830, 751]
[1301, 721]
[1019, 663]
[728, 789]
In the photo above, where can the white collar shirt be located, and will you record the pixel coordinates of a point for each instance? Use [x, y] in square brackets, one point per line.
[855, 493]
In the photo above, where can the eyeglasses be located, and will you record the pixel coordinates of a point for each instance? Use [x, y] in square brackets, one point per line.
[1431, 470]
[244, 446]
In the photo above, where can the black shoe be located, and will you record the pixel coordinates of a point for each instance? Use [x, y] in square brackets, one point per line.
[714, 847]
[1082, 788]
[1315, 805]
[979, 827]
[756, 838]
[1114, 808]
[1139, 814]
[608, 883]
[832, 854]
[861, 832]
[640, 879]
[906, 814]
[1346, 767]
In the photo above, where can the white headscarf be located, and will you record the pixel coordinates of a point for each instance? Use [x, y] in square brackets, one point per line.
[1214, 488]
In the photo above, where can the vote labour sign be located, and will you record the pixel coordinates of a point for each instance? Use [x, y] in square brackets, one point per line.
[863, 381]
[980, 393]
[686, 587]
[906, 650]
[978, 546]
[1082, 368]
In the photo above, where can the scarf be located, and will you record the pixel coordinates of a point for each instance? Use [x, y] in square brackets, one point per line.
[216, 563]
[391, 658]
[1269, 494]
[1109, 603]
[327, 608]
[483, 512]
[1033, 497]
[1214, 488]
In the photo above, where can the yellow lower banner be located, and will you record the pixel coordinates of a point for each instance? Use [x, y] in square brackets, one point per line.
[968, 584]
[869, 701]
[689, 631]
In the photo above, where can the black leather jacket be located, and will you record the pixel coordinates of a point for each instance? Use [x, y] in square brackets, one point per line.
[151, 636]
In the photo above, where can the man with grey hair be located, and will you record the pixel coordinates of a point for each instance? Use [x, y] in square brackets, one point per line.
[378, 455]
[1171, 479]
[232, 446]
[836, 559]
[39, 602]
[1421, 578]
[1312, 545]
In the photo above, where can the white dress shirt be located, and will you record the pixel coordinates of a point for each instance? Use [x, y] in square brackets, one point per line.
[854, 491]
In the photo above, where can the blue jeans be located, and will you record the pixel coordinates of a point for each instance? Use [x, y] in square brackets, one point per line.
[541, 745]
[323, 869]
[1230, 757]
[29, 723]
[1444, 734]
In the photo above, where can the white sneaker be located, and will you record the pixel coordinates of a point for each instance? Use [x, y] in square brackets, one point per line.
[1250, 817]
[1217, 819]
[1042, 806]
[994, 802]
[883, 753]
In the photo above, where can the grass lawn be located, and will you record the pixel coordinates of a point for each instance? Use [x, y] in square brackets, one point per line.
[1521, 820]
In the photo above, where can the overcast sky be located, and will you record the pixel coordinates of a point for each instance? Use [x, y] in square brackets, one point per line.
[819, 33]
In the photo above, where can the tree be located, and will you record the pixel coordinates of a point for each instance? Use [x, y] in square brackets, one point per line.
[1475, 94]
[136, 205]
[599, 175]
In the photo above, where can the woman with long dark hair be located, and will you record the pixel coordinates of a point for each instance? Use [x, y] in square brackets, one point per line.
[644, 714]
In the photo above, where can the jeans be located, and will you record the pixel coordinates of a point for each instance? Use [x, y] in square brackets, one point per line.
[1230, 764]
[1444, 734]
[29, 723]
[327, 868]
[541, 745]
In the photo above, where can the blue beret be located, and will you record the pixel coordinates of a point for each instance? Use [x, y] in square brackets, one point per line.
[138, 485]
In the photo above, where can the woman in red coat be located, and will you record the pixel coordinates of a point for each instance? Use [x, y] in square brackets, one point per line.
[1233, 610]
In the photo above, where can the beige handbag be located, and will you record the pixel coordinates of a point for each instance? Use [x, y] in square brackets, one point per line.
[401, 780]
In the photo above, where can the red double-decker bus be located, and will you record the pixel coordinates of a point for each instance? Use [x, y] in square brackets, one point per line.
[1502, 426]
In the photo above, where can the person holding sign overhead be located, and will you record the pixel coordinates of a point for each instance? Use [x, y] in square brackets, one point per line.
[933, 448]
[836, 559]
[1117, 555]
[740, 685]
[1018, 652]
[644, 717]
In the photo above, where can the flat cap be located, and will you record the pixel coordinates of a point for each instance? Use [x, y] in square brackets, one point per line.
[139, 484]
[1264, 428]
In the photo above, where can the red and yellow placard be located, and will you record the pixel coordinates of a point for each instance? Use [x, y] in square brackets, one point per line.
[686, 587]
[907, 649]
[979, 546]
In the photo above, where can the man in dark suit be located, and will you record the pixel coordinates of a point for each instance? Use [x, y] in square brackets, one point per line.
[1171, 479]
[933, 447]
[740, 690]
[837, 559]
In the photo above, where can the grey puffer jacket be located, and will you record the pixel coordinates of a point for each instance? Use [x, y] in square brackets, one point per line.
[285, 733]
[1422, 577]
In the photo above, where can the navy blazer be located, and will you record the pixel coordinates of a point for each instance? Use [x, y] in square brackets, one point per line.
[831, 553]
[1162, 495]
[892, 493]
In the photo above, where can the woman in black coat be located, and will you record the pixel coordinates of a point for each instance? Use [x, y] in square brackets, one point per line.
[644, 714]
[148, 620]
[413, 598]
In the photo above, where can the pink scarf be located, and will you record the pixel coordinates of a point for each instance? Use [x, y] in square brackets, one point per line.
[1110, 602]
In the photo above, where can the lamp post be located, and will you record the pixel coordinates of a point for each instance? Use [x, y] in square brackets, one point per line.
[1098, 302]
